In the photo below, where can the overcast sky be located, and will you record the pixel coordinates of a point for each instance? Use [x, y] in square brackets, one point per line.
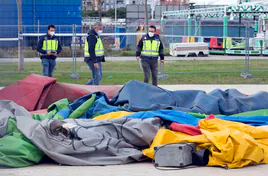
[220, 2]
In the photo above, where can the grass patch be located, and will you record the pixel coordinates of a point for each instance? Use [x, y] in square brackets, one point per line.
[180, 72]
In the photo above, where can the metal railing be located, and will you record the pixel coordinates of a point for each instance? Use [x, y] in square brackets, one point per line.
[121, 47]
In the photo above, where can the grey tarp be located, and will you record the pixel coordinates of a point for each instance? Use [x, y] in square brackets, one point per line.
[84, 141]
[138, 96]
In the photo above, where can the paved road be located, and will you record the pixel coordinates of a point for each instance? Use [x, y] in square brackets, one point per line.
[146, 169]
[139, 169]
[80, 59]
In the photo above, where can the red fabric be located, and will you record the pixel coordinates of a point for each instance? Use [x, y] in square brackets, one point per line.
[188, 129]
[214, 43]
[75, 91]
[37, 92]
[211, 116]
[27, 92]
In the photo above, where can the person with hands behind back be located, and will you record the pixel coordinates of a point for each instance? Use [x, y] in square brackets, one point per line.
[149, 48]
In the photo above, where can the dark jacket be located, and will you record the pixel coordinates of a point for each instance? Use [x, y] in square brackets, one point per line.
[92, 40]
[140, 45]
[43, 52]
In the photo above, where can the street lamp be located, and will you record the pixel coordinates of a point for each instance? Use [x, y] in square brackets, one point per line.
[197, 24]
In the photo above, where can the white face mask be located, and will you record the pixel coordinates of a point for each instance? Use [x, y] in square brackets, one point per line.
[99, 32]
[151, 34]
[52, 33]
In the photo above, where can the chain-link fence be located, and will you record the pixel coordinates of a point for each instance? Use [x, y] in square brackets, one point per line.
[193, 49]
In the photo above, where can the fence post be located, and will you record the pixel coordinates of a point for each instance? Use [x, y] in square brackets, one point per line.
[162, 31]
[74, 75]
[38, 29]
[20, 37]
[246, 73]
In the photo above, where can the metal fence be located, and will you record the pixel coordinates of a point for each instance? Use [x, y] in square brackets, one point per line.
[120, 46]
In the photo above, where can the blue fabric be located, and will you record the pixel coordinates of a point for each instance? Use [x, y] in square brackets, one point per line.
[139, 96]
[174, 105]
[249, 120]
[83, 99]
[102, 105]
[64, 113]
[170, 115]
[185, 118]
[48, 66]
[96, 74]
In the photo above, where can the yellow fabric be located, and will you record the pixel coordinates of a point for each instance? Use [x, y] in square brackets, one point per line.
[50, 45]
[150, 48]
[231, 144]
[113, 115]
[190, 40]
[99, 50]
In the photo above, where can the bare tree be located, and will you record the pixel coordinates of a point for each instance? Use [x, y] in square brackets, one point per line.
[146, 15]
[99, 7]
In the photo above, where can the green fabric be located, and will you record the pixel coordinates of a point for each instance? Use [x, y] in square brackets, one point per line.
[82, 109]
[16, 150]
[96, 115]
[53, 110]
[38, 117]
[262, 112]
[63, 104]
[198, 115]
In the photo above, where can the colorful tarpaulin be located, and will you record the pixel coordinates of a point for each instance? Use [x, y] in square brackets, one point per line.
[94, 130]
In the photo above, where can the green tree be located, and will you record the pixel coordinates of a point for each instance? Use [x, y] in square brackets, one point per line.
[121, 13]
[89, 13]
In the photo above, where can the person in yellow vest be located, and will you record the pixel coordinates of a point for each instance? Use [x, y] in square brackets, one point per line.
[49, 47]
[149, 49]
[94, 54]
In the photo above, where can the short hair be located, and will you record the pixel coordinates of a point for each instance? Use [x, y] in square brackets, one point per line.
[152, 26]
[51, 26]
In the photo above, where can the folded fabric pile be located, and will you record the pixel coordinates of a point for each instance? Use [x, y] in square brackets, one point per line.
[94, 130]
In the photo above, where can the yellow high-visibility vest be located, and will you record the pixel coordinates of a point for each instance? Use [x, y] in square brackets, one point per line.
[150, 48]
[50, 45]
[99, 50]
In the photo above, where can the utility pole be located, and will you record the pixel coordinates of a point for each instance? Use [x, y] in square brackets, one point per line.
[20, 37]
[99, 7]
[146, 15]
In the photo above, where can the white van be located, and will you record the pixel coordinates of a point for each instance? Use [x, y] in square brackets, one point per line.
[199, 49]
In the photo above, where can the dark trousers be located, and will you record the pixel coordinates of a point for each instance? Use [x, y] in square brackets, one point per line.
[148, 67]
